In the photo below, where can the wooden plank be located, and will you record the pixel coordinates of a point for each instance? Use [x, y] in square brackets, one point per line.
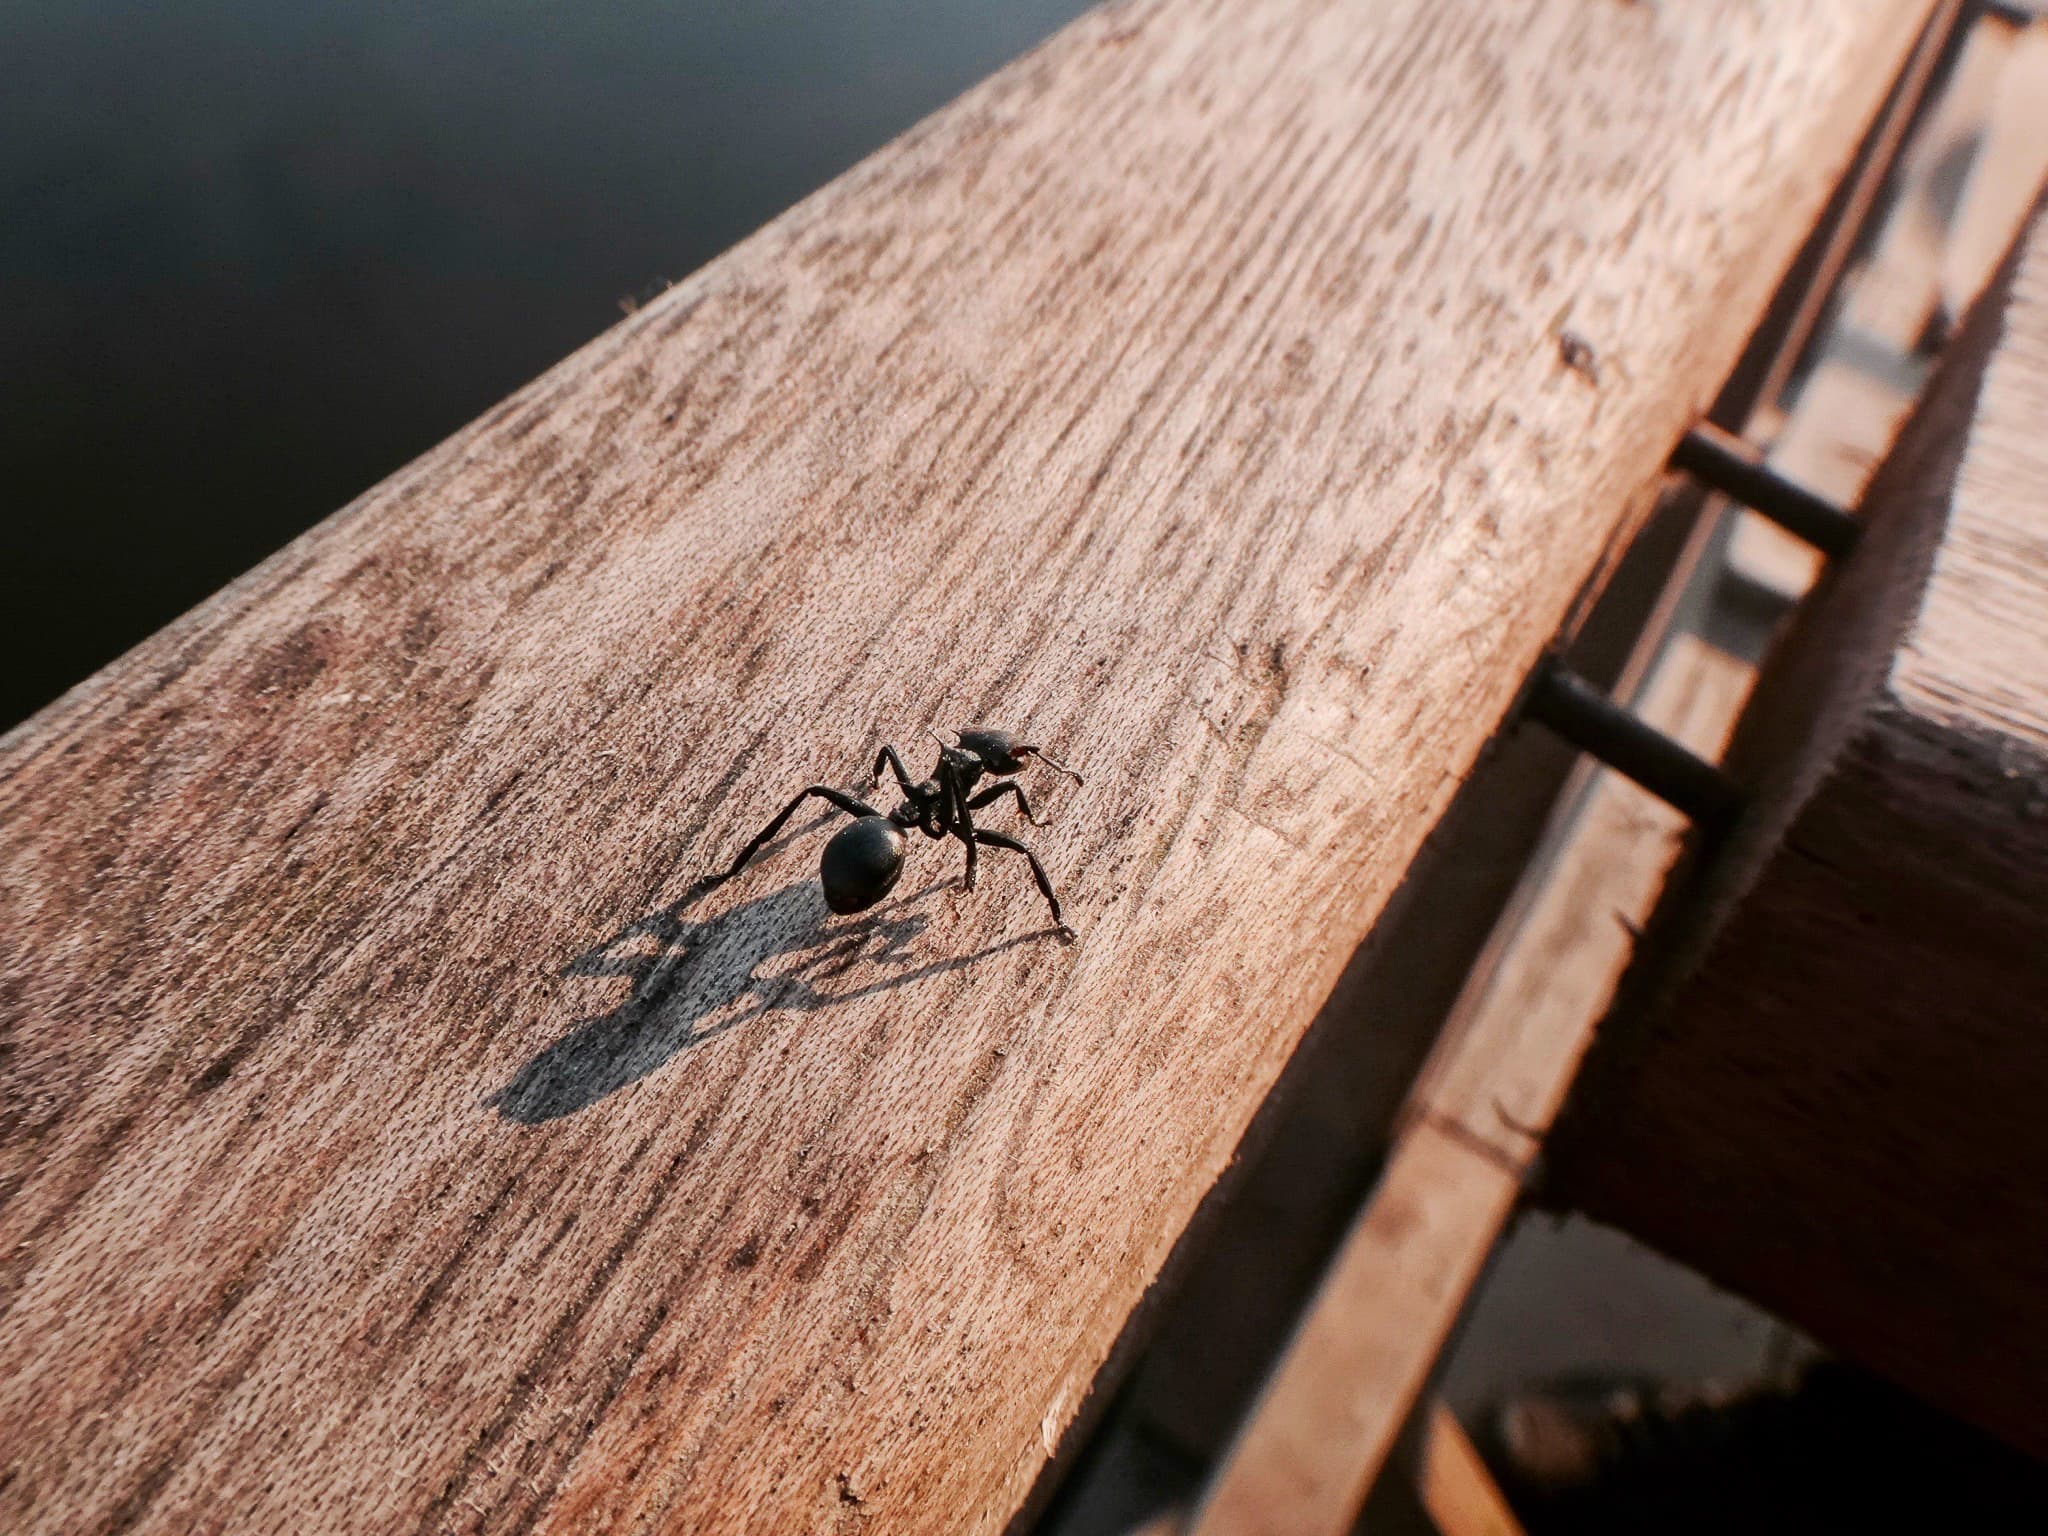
[1839, 1030]
[1506, 1064]
[1457, 1490]
[1367, 1344]
[392, 1144]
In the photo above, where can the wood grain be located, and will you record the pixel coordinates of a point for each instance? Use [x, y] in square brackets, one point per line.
[388, 1146]
[1825, 1086]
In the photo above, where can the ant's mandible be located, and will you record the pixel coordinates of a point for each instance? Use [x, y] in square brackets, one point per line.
[862, 862]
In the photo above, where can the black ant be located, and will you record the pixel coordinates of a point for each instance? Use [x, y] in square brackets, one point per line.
[862, 863]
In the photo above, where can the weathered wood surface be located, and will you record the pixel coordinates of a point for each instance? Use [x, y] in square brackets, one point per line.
[388, 1146]
[1827, 1090]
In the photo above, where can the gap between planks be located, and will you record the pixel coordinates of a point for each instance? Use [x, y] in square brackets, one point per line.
[1319, 1435]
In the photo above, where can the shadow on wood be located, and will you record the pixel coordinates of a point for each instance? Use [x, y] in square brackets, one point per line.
[702, 978]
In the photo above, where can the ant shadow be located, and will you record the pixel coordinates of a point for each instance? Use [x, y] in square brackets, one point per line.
[686, 986]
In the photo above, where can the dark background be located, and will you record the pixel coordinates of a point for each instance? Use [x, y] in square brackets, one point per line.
[256, 254]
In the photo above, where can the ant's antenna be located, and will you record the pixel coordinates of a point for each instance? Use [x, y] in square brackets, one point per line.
[1051, 762]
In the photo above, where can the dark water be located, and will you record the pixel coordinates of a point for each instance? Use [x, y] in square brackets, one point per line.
[253, 257]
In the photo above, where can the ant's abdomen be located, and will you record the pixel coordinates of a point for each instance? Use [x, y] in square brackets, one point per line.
[861, 864]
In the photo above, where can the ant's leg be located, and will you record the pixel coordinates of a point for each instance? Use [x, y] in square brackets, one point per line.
[990, 796]
[887, 758]
[999, 840]
[1050, 762]
[844, 802]
[963, 828]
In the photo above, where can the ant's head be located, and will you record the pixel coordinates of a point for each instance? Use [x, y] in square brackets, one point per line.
[1002, 754]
